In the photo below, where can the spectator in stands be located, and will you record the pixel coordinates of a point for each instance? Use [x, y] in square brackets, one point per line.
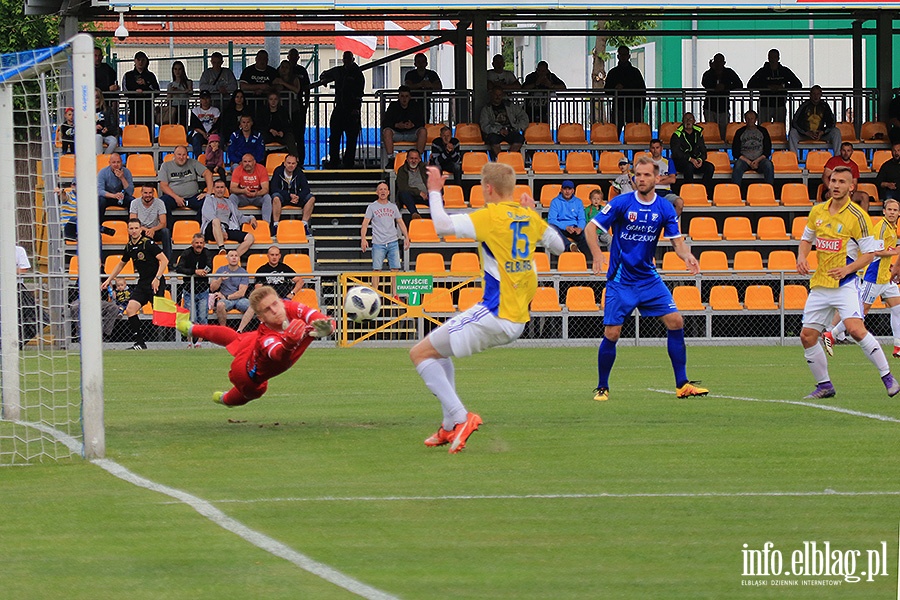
[195, 265]
[385, 219]
[543, 82]
[250, 186]
[277, 275]
[107, 125]
[591, 211]
[179, 92]
[719, 81]
[67, 131]
[217, 79]
[215, 157]
[404, 121]
[204, 122]
[446, 155]
[179, 182]
[844, 159]
[151, 213]
[411, 183]
[751, 149]
[630, 90]
[258, 79]
[105, 77]
[773, 78]
[422, 81]
[894, 120]
[567, 214]
[115, 184]
[236, 108]
[68, 211]
[275, 124]
[295, 79]
[889, 175]
[689, 152]
[667, 176]
[229, 293]
[815, 121]
[349, 85]
[503, 121]
[290, 189]
[624, 183]
[140, 83]
[246, 140]
[499, 77]
[221, 220]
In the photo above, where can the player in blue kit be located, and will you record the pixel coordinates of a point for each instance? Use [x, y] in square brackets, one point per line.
[636, 220]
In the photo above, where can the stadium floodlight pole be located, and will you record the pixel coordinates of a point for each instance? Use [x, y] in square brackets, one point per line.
[88, 248]
[9, 297]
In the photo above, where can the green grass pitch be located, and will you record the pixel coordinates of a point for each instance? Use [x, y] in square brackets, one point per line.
[556, 496]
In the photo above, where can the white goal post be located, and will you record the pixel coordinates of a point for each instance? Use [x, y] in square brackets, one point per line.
[51, 388]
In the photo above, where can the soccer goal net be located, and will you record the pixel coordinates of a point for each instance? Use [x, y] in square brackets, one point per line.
[50, 381]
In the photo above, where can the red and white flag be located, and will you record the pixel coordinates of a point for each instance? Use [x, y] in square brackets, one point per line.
[447, 25]
[400, 42]
[360, 45]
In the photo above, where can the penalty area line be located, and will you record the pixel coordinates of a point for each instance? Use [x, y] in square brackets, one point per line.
[206, 509]
[837, 409]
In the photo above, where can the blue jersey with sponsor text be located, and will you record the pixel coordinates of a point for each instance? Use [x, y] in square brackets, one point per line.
[636, 228]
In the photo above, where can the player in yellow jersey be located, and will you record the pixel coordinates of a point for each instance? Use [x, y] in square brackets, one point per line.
[508, 231]
[844, 245]
[876, 280]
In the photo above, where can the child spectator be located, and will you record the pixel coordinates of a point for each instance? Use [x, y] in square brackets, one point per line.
[445, 154]
[215, 156]
[120, 294]
[591, 211]
[67, 132]
[624, 182]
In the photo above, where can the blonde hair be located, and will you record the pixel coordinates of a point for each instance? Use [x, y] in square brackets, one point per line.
[646, 160]
[260, 293]
[501, 177]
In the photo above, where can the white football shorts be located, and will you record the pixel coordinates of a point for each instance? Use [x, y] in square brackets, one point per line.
[472, 331]
[868, 291]
[822, 303]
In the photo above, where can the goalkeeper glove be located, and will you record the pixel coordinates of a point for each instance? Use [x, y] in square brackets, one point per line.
[294, 333]
[322, 328]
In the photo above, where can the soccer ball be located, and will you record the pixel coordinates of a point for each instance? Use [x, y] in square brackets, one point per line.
[362, 303]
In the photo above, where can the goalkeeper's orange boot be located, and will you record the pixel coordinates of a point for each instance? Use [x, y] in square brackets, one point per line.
[462, 431]
[689, 389]
[439, 438]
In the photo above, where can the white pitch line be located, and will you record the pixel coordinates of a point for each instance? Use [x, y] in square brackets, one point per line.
[837, 409]
[206, 509]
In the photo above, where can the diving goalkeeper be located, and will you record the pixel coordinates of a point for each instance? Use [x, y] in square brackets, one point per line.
[286, 329]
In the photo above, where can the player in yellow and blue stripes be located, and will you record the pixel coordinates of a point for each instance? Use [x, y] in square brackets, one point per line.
[508, 231]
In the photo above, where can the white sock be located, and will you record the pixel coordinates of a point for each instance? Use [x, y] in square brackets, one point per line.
[872, 349]
[432, 373]
[838, 331]
[818, 362]
[450, 371]
[895, 323]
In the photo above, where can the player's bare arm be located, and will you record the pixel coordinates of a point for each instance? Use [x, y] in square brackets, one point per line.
[598, 263]
[684, 253]
[802, 257]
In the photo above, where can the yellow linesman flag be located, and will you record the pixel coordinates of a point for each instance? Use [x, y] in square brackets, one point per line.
[164, 311]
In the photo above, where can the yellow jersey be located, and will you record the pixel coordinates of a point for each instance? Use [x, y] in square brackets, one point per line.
[508, 234]
[839, 239]
[879, 271]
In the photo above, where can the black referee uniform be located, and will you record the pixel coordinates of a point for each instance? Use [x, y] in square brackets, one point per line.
[144, 255]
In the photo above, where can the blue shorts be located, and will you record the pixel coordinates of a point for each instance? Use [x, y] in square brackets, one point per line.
[391, 250]
[652, 298]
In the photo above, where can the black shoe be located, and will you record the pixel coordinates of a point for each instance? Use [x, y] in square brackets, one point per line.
[139, 346]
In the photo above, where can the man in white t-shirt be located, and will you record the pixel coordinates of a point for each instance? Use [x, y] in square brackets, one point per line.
[667, 176]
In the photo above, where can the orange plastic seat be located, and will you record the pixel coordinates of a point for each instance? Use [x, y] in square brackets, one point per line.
[813, 259]
[399, 159]
[433, 131]
[797, 227]
[848, 132]
[262, 234]
[604, 133]
[541, 262]
[521, 189]
[545, 163]
[782, 260]
[785, 161]
[794, 297]
[609, 162]
[454, 197]
[761, 194]
[795, 194]
[727, 194]
[472, 162]
[300, 263]
[731, 129]
[538, 133]
[136, 136]
[771, 229]
[548, 193]
[759, 297]
[255, 261]
[438, 300]
[748, 260]
[112, 260]
[468, 133]
[737, 228]
[581, 299]
[183, 232]
[430, 262]
[637, 133]
[871, 189]
[776, 132]
[724, 297]
[859, 158]
[291, 231]
[422, 231]
[713, 260]
[816, 159]
[572, 262]
[469, 297]
[873, 131]
[513, 159]
[141, 165]
[571, 133]
[275, 160]
[67, 166]
[687, 298]
[703, 229]
[307, 297]
[666, 130]
[711, 133]
[583, 191]
[476, 196]
[879, 158]
[721, 161]
[672, 262]
[545, 299]
[172, 135]
[694, 194]
[580, 163]
[464, 263]
[120, 237]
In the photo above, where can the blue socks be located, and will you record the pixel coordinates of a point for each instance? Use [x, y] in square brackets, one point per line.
[606, 356]
[678, 355]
